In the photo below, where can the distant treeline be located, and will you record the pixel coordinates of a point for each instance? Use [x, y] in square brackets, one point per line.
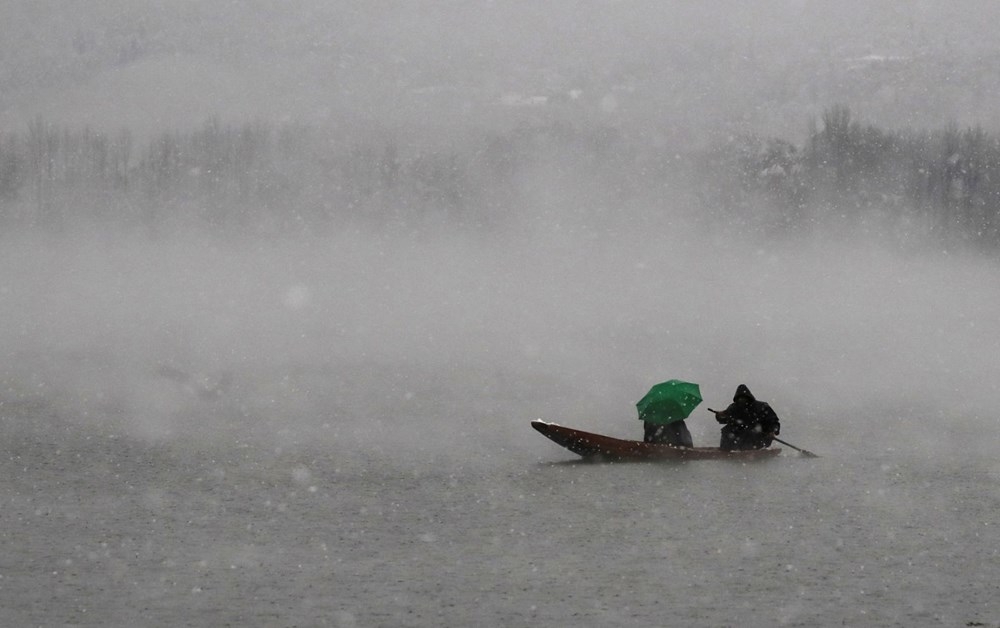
[262, 177]
[274, 178]
[941, 183]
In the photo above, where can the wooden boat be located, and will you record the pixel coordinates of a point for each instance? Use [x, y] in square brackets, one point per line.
[597, 446]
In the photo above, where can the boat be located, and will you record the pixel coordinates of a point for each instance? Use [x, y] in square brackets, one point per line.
[599, 447]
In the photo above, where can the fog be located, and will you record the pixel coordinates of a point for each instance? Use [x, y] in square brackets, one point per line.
[284, 283]
[726, 67]
[372, 334]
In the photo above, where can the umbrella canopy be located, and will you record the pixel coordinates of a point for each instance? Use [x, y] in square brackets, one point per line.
[668, 402]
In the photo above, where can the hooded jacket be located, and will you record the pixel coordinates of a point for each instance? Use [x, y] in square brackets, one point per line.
[748, 418]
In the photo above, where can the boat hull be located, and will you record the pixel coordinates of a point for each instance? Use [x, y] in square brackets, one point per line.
[597, 446]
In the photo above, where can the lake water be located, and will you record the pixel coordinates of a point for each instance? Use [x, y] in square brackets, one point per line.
[227, 528]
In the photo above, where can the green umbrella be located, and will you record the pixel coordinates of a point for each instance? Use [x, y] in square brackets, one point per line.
[668, 402]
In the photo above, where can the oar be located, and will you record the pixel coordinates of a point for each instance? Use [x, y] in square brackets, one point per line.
[805, 452]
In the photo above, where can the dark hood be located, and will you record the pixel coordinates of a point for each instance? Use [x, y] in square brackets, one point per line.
[743, 391]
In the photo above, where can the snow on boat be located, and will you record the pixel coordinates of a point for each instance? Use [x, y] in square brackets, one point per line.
[597, 446]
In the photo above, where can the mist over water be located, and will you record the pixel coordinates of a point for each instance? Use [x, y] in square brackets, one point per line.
[376, 335]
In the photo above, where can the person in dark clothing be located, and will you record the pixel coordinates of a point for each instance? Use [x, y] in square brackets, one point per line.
[675, 434]
[747, 423]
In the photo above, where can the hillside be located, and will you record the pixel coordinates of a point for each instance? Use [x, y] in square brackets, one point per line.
[679, 69]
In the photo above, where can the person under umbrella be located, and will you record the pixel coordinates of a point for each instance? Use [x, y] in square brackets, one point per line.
[676, 434]
[664, 409]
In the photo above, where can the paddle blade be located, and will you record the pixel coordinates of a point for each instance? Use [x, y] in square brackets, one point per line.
[805, 452]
